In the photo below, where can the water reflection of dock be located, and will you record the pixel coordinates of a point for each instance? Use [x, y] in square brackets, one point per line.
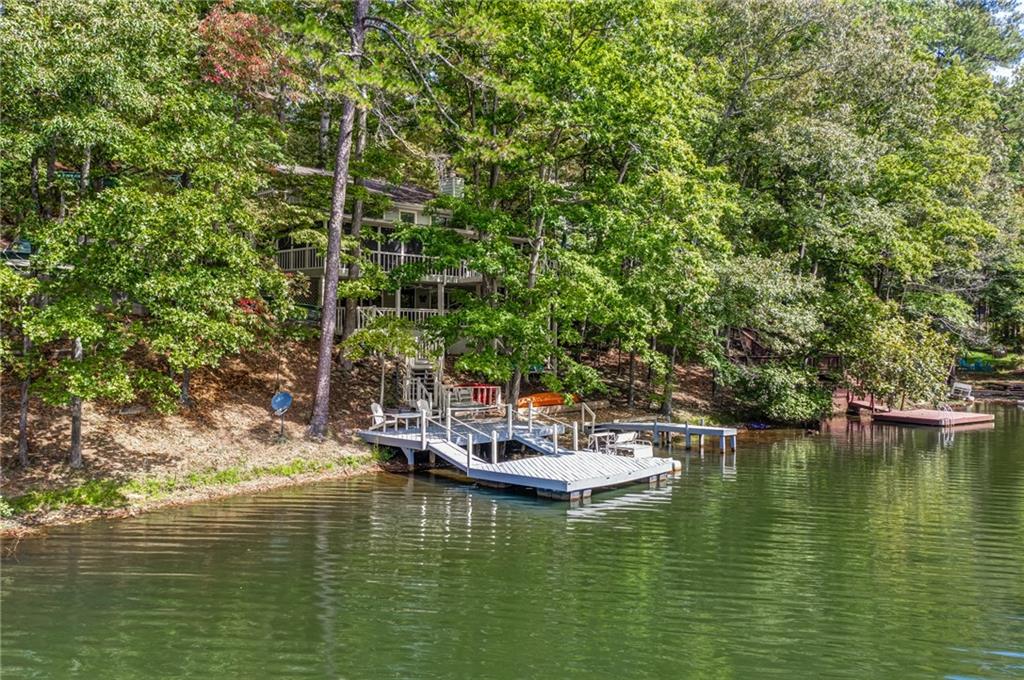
[872, 434]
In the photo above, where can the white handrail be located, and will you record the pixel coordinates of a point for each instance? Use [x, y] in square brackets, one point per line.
[307, 257]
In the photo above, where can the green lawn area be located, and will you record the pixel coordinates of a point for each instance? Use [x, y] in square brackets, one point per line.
[1010, 362]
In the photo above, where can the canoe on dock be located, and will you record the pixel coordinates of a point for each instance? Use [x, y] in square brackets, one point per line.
[933, 418]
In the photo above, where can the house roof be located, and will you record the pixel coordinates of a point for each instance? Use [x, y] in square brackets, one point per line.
[405, 193]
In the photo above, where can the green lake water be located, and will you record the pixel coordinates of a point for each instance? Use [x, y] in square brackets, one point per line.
[863, 552]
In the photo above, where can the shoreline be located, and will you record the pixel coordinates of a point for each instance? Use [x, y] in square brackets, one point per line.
[143, 495]
[37, 522]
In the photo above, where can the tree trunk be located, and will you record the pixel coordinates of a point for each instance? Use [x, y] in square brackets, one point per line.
[51, 177]
[322, 398]
[514, 387]
[650, 365]
[75, 457]
[632, 379]
[351, 303]
[26, 345]
[37, 197]
[83, 180]
[670, 379]
[186, 378]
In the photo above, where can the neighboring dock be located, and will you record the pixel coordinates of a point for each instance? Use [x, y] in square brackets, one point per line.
[558, 472]
[725, 435]
[933, 418]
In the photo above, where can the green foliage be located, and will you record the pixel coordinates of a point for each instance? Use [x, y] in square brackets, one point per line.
[659, 176]
[782, 394]
[94, 493]
[895, 359]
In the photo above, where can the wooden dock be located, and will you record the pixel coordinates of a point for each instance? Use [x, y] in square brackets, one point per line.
[932, 418]
[558, 472]
[725, 435]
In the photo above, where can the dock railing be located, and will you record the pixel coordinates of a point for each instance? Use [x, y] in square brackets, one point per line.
[574, 426]
[446, 425]
[587, 411]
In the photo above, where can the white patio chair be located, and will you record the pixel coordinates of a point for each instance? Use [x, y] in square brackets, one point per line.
[380, 419]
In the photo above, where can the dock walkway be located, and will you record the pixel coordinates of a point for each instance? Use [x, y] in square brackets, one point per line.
[557, 472]
[725, 434]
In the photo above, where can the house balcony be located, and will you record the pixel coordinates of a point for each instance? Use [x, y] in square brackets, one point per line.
[308, 259]
[366, 314]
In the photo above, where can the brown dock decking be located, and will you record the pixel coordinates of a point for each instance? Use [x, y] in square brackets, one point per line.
[929, 417]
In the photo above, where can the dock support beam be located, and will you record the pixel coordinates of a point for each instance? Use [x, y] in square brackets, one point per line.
[494, 447]
[423, 429]
[571, 496]
[469, 451]
[733, 438]
[721, 443]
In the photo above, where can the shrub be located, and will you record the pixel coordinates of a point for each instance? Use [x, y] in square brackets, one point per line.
[782, 394]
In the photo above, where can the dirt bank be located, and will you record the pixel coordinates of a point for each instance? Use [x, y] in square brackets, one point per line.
[226, 442]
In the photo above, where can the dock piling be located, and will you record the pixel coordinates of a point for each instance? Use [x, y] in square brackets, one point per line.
[423, 429]
[494, 447]
[509, 417]
[575, 436]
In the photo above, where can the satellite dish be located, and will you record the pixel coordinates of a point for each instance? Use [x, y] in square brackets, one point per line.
[280, 403]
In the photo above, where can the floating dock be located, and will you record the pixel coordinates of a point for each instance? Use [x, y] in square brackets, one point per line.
[557, 472]
[725, 435]
[932, 418]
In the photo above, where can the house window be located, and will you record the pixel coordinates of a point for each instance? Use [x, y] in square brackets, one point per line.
[407, 217]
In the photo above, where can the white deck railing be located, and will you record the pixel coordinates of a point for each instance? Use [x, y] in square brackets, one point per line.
[364, 315]
[416, 315]
[295, 259]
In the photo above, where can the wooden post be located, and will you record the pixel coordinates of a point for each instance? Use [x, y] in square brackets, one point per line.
[700, 441]
[509, 416]
[554, 438]
[494, 447]
[448, 416]
[575, 436]
[721, 443]
[469, 451]
[733, 443]
[423, 429]
[529, 418]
